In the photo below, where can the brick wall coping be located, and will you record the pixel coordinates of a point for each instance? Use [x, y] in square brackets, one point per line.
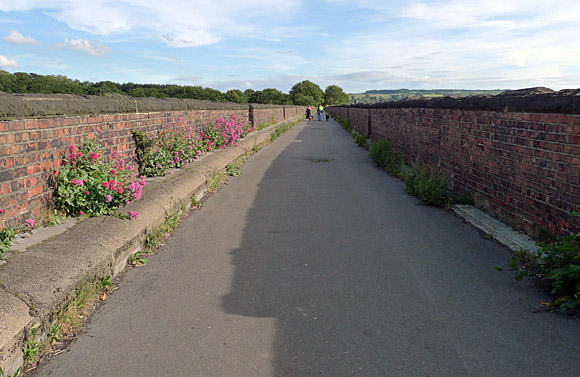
[532, 100]
[26, 106]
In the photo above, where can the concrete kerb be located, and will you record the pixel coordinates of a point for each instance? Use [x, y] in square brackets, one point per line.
[37, 284]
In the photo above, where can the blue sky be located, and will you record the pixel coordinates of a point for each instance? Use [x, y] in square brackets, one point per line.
[356, 44]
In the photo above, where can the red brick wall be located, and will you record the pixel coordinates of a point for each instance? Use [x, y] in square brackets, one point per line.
[261, 116]
[292, 111]
[524, 168]
[31, 151]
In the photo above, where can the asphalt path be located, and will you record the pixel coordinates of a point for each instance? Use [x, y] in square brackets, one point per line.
[315, 262]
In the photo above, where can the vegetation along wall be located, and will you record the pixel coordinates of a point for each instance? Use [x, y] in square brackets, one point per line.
[517, 155]
[36, 129]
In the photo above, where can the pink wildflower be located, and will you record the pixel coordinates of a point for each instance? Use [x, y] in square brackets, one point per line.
[29, 222]
[113, 172]
[133, 214]
[82, 213]
[105, 184]
[94, 157]
[87, 193]
[1, 211]
[159, 166]
[120, 190]
[108, 198]
[115, 154]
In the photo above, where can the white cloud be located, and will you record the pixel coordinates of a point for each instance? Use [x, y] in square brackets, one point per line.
[178, 23]
[16, 38]
[507, 41]
[84, 46]
[7, 63]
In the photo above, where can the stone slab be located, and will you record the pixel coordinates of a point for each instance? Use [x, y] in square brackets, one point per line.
[512, 239]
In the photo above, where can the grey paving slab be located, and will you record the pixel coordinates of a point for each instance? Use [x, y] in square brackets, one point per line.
[502, 233]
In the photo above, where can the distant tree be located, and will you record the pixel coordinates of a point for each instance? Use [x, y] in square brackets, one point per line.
[235, 95]
[306, 89]
[270, 96]
[22, 82]
[137, 92]
[6, 82]
[250, 95]
[106, 87]
[334, 95]
[213, 95]
[303, 100]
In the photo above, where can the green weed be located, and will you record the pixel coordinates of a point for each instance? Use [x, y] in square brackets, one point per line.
[383, 155]
[153, 238]
[56, 218]
[282, 129]
[345, 123]
[233, 170]
[361, 140]
[54, 332]
[31, 346]
[196, 203]
[7, 235]
[215, 180]
[427, 185]
[18, 373]
[137, 259]
[559, 264]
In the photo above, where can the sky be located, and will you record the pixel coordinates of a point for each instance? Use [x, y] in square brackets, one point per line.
[358, 45]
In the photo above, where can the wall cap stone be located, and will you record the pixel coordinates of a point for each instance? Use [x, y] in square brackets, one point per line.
[531, 100]
[26, 106]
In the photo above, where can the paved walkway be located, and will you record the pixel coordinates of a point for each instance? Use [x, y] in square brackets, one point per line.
[315, 262]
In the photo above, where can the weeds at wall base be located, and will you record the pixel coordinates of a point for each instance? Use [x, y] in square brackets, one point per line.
[66, 323]
[422, 182]
[64, 326]
[283, 129]
[558, 263]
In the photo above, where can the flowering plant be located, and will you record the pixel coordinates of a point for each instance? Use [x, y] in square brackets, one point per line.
[177, 144]
[89, 184]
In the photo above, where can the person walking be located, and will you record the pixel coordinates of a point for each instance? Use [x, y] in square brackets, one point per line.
[320, 109]
[309, 113]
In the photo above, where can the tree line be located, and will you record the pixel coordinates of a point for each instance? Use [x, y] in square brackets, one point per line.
[302, 93]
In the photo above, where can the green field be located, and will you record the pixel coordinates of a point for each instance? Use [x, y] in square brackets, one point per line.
[373, 96]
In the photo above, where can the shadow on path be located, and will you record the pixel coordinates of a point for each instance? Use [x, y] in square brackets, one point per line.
[364, 281]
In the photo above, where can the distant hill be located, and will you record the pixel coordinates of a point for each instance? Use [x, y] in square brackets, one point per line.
[381, 95]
